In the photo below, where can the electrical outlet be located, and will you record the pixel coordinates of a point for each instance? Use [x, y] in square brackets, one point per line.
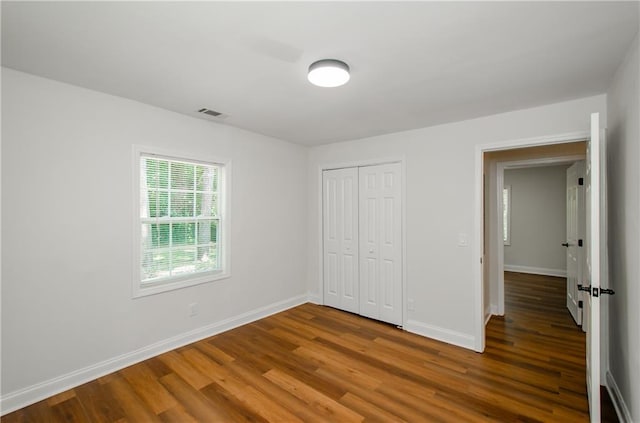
[193, 309]
[411, 306]
[463, 240]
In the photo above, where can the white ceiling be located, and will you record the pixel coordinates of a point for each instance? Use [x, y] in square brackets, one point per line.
[414, 64]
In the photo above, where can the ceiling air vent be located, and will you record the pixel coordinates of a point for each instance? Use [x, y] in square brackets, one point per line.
[210, 112]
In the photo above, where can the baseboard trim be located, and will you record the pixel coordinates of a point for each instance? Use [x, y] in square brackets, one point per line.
[624, 415]
[441, 334]
[492, 310]
[560, 273]
[34, 393]
[314, 298]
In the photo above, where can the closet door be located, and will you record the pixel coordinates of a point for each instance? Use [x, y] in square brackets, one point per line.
[340, 236]
[380, 242]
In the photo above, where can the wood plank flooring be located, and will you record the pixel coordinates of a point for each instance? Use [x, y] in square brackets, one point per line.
[317, 364]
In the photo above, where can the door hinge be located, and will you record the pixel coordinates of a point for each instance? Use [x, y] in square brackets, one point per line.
[580, 304]
[579, 243]
[580, 181]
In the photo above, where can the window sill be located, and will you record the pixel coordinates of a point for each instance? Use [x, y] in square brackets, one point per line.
[144, 290]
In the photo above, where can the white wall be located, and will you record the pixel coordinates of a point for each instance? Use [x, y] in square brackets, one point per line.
[538, 219]
[67, 233]
[440, 189]
[623, 139]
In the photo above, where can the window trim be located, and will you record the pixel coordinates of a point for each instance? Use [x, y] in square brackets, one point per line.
[140, 289]
[506, 228]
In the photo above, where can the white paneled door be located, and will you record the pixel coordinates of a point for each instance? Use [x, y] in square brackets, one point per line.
[380, 243]
[574, 243]
[340, 227]
[362, 241]
[596, 260]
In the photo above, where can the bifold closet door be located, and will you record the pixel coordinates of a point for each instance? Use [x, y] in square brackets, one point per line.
[340, 238]
[380, 242]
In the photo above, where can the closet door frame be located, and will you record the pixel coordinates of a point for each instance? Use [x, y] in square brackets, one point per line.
[319, 297]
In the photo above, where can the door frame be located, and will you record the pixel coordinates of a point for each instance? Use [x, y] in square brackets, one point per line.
[500, 168]
[361, 163]
[478, 276]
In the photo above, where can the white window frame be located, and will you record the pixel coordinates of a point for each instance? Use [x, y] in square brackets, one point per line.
[506, 215]
[223, 244]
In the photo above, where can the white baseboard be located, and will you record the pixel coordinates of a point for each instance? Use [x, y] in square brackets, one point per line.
[561, 273]
[624, 415]
[441, 334]
[315, 298]
[492, 310]
[34, 393]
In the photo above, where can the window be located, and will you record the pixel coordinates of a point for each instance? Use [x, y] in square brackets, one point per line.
[181, 222]
[506, 215]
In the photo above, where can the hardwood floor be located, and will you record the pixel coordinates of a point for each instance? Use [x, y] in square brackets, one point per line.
[317, 364]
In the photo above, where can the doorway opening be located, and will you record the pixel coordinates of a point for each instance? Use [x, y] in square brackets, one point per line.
[595, 243]
[535, 250]
[490, 230]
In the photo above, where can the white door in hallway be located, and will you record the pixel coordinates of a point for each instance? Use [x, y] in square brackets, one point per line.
[595, 259]
[340, 238]
[381, 242]
[574, 240]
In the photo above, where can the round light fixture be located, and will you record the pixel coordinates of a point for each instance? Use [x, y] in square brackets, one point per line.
[328, 73]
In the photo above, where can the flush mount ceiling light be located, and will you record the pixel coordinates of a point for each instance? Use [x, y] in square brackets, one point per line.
[328, 73]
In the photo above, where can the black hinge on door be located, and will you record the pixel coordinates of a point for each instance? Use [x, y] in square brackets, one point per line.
[580, 181]
[580, 304]
[579, 243]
